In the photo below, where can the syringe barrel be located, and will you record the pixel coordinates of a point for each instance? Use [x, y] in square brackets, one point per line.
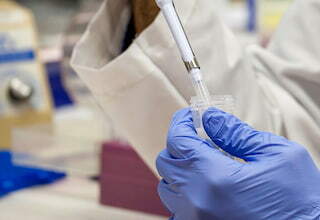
[172, 18]
[162, 3]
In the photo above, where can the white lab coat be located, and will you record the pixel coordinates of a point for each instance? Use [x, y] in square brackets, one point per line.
[276, 89]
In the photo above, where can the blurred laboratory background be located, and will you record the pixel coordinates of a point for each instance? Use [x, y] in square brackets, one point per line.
[60, 156]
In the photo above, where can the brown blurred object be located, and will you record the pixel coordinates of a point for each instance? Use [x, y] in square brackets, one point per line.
[144, 13]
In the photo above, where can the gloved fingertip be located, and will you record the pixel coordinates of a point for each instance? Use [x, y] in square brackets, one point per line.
[211, 112]
[213, 120]
[181, 114]
[182, 138]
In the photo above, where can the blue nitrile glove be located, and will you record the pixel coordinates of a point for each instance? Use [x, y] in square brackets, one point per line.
[279, 180]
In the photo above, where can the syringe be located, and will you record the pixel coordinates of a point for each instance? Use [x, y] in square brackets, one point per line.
[168, 9]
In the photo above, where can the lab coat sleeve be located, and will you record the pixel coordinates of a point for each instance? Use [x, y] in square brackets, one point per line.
[129, 87]
[295, 47]
[291, 67]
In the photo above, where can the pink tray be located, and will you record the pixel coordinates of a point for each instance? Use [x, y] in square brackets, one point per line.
[127, 182]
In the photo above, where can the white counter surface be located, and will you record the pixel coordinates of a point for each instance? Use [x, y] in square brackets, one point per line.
[69, 199]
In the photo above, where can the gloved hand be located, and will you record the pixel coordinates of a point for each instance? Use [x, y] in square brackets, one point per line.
[278, 181]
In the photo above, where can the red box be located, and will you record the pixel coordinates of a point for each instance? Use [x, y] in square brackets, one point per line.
[126, 181]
